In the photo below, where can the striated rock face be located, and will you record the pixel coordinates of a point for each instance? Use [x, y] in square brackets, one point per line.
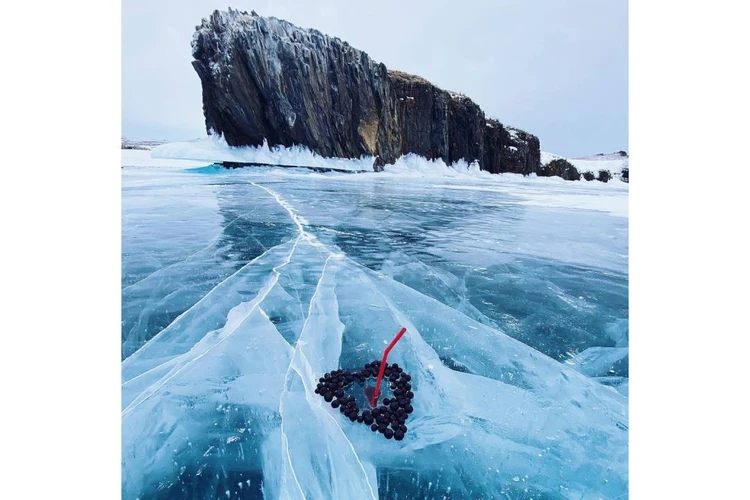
[264, 78]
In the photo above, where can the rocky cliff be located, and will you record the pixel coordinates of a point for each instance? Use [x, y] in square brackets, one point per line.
[264, 78]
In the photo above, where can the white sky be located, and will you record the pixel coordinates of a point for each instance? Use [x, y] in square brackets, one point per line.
[558, 69]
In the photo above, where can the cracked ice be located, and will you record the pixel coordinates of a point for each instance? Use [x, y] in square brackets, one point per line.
[240, 289]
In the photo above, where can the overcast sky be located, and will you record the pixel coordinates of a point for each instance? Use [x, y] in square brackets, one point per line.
[558, 69]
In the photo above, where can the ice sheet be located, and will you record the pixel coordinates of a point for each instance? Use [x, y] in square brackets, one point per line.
[219, 401]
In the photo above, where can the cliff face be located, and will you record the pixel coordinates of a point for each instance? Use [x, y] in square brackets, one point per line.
[264, 78]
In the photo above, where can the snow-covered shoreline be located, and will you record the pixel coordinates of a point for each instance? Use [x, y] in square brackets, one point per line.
[214, 149]
[550, 192]
[143, 158]
[614, 163]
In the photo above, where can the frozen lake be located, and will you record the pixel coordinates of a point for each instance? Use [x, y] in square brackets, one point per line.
[241, 288]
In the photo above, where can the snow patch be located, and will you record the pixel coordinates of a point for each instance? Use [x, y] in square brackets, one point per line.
[214, 149]
[614, 163]
[143, 158]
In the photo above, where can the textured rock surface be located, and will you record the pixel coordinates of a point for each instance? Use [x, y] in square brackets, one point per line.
[264, 78]
[561, 168]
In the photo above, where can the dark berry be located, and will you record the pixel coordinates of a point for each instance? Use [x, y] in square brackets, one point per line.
[388, 433]
[398, 435]
[328, 397]
[410, 395]
[409, 408]
[336, 403]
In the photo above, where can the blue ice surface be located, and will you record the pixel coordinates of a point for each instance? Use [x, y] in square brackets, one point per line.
[241, 288]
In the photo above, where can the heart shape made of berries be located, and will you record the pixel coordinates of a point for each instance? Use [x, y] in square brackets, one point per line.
[388, 418]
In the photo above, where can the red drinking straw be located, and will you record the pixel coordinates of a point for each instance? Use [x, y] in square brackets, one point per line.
[376, 393]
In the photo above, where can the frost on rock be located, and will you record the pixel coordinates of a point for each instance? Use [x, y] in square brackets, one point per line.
[267, 79]
[220, 402]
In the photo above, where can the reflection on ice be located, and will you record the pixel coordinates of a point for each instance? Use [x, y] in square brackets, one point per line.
[517, 345]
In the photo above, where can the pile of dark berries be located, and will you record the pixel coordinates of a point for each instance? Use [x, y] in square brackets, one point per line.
[389, 418]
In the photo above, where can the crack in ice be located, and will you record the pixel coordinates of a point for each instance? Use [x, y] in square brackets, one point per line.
[299, 357]
[156, 337]
[211, 243]
[284, 437]
[262, 294]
